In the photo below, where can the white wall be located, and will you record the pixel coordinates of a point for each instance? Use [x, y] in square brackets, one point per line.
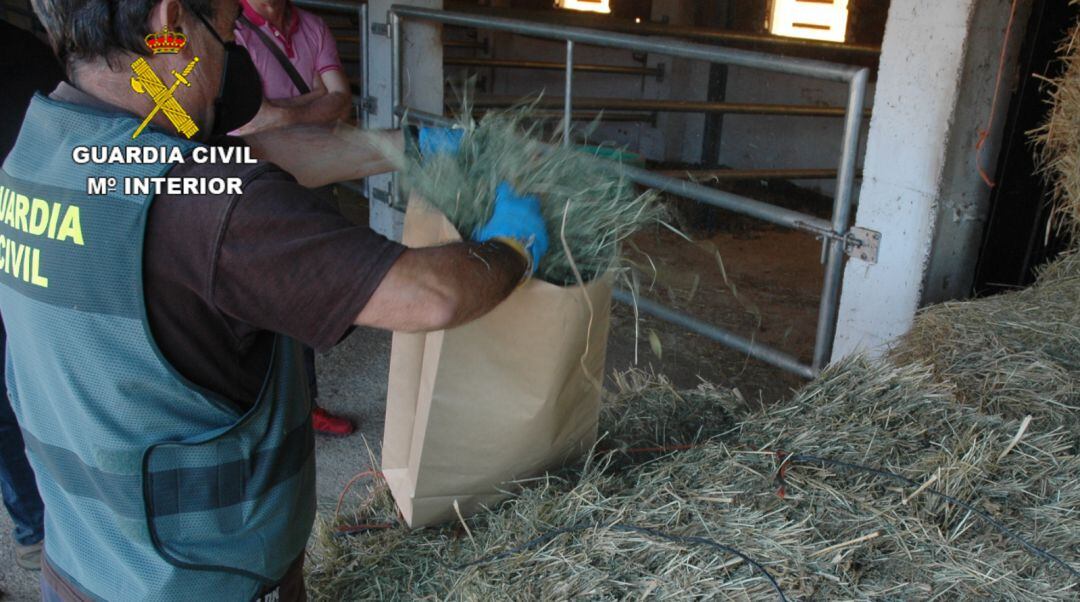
[677, 136]
[775, 142]
[521, 83]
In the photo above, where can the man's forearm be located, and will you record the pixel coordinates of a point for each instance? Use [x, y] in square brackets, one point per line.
[312, 109]
[321, 155]
[442, 287]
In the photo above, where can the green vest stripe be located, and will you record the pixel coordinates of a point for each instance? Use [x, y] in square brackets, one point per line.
[178, 490]
[79, 480]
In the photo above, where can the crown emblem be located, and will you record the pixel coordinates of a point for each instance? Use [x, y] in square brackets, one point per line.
[166, 42]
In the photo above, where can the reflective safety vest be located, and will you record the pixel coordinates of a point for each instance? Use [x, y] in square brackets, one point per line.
[154, 488]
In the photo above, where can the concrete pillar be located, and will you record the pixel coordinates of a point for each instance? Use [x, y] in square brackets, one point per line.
[933, 94]
[964, 199]
[422, 80]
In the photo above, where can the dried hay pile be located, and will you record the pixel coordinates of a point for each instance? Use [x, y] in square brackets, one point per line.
[1013, 354]
[1058, 139]
[710, 522]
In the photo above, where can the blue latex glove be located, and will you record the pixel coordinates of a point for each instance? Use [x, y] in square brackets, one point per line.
[517, 218]
[439, 141]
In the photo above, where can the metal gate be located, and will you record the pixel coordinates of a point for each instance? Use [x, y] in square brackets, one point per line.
[839, 239]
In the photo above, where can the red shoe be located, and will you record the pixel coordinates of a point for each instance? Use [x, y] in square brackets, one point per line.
[326, 423]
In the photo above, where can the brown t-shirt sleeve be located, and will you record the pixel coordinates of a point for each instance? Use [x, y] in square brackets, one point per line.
[288, 263]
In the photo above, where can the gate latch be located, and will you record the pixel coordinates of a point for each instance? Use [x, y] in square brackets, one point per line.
[863, 243]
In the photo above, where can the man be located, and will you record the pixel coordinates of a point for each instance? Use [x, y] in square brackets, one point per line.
[303, 83]
[305, 43]
[26, 66]
[155, 339]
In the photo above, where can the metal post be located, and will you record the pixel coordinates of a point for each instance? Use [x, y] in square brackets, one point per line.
[834, 266]
[568, 102]
[396, 94]
[396, 97]
[365, 70]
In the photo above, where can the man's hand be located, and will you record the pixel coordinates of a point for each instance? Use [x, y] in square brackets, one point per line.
[518, 222]
[269, 117]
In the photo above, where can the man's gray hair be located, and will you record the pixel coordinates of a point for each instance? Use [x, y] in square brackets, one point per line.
[81, 30]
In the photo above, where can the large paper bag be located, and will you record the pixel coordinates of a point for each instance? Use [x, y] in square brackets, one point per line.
[507, 397]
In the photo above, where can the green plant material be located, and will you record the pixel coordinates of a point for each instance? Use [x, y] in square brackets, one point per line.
[836, 534]
[601, 205]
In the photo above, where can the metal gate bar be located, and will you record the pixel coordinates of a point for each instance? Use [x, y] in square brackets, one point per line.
[674, 106]
[457, 61]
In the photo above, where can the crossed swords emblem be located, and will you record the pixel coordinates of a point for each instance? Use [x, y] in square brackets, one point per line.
[147, 82]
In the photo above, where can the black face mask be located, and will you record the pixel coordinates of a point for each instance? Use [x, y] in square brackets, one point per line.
[240, 92]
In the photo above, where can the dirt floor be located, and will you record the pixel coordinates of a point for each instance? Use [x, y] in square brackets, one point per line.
[771, 291]
[757, 284]
[758, 281]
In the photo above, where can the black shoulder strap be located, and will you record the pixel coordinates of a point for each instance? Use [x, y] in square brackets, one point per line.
[283, 60]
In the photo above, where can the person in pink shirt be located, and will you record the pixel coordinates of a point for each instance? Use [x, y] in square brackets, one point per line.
[322, 98]
[305, 40]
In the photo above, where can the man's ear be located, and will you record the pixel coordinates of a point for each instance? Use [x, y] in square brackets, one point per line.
[166, 14]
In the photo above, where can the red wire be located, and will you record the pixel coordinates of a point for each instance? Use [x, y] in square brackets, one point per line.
[341, 498]
[984, 134]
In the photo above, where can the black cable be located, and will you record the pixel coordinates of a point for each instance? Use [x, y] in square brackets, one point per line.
[684, 539]
[1037, 551]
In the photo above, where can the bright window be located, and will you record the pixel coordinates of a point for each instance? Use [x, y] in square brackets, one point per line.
[593, 6]
[811, 19]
